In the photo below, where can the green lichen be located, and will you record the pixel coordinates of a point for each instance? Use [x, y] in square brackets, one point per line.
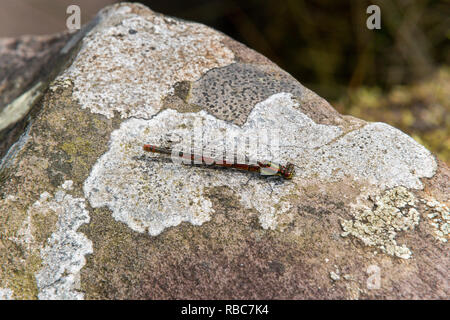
[77, 148]
[23, 234]
[378, 226]
[438, 215]
[22, 280]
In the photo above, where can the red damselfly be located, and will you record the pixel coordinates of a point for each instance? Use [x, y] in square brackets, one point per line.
[265, 168]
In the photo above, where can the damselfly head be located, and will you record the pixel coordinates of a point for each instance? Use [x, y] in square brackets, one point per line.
[268, 168]
[287, 171]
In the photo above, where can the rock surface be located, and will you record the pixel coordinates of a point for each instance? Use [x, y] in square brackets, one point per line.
[84, 213]
[27, 65]
[23, 61]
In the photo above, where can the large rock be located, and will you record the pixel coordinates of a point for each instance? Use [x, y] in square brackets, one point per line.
[86, 214]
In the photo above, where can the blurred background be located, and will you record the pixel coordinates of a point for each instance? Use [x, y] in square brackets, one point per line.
[399, 74]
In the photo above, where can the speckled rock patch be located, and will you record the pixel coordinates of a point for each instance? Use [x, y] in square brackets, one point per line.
[151, 53]
[230, 93]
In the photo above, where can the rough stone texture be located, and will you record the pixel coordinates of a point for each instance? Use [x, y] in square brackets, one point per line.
[27, 65]
[84, 213]
[23, 61]
[231, 92]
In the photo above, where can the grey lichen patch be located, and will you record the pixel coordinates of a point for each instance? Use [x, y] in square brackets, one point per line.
[63, 255]
[392, 212]
[67, 185]
[48, 249]
[160, 52]
[376, 153]
[438, 215]
[230, 93]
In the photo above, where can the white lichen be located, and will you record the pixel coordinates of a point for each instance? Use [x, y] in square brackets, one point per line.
[63, 255]
[67, 185]
[438, 215]
[151, 53]
[376, 153]
[392, 212]
[6, 294]
[334, 276]
[24, 235]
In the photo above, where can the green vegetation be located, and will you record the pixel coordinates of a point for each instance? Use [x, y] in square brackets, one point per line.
[422, 110]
